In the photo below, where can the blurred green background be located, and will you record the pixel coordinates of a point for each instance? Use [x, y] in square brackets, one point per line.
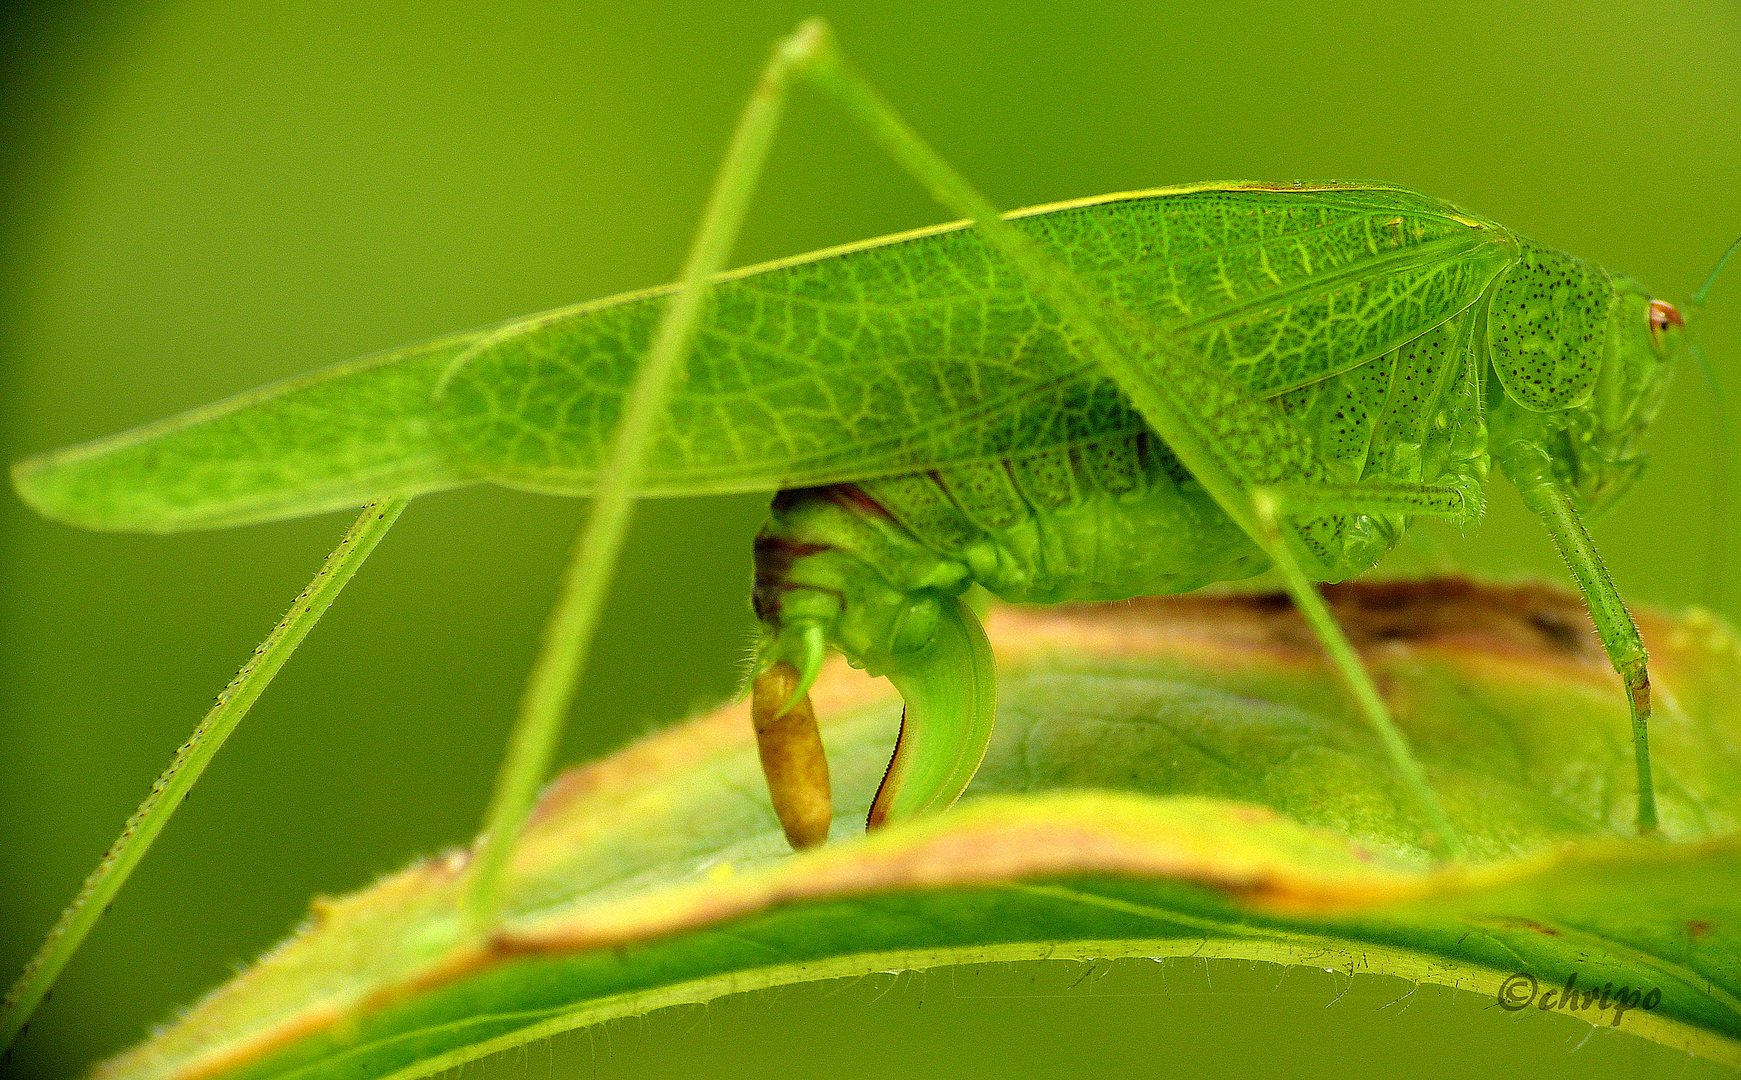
[203, 196]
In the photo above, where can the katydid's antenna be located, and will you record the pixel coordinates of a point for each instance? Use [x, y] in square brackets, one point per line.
[1719, 543]
[1717, 555]
[1697, 300]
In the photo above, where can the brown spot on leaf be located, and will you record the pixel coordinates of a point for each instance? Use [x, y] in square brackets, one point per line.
[1557, 629]
[1524, 622]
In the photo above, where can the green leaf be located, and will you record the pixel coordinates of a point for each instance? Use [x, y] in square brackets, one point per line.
[1168, 777]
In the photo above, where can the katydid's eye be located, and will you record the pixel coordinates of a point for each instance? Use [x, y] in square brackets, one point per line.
[1662, 316]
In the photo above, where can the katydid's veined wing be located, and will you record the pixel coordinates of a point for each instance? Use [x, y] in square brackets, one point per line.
[903, 353]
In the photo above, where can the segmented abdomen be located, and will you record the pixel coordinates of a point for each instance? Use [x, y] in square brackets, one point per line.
[1102, 521]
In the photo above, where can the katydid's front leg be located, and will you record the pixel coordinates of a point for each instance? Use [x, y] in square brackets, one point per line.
[1529, 467]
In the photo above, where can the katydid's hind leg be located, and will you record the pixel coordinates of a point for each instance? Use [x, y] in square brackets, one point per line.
[1229, 440]
[1442, 837]
[1530, 468]
[574, 619]
[185, 769]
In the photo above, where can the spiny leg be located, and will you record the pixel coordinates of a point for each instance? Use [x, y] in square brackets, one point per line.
[189, 762]
[1530, 468]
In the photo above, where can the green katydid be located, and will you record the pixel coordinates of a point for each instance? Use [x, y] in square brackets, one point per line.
[1129, 394]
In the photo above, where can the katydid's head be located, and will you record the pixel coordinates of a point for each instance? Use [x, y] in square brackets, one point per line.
[1584, 357]
[1581, 357]
[1645, 339]
[1601, 454]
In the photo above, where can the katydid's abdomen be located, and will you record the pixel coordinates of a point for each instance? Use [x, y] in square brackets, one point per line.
[1108, 520]
[873, 561]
